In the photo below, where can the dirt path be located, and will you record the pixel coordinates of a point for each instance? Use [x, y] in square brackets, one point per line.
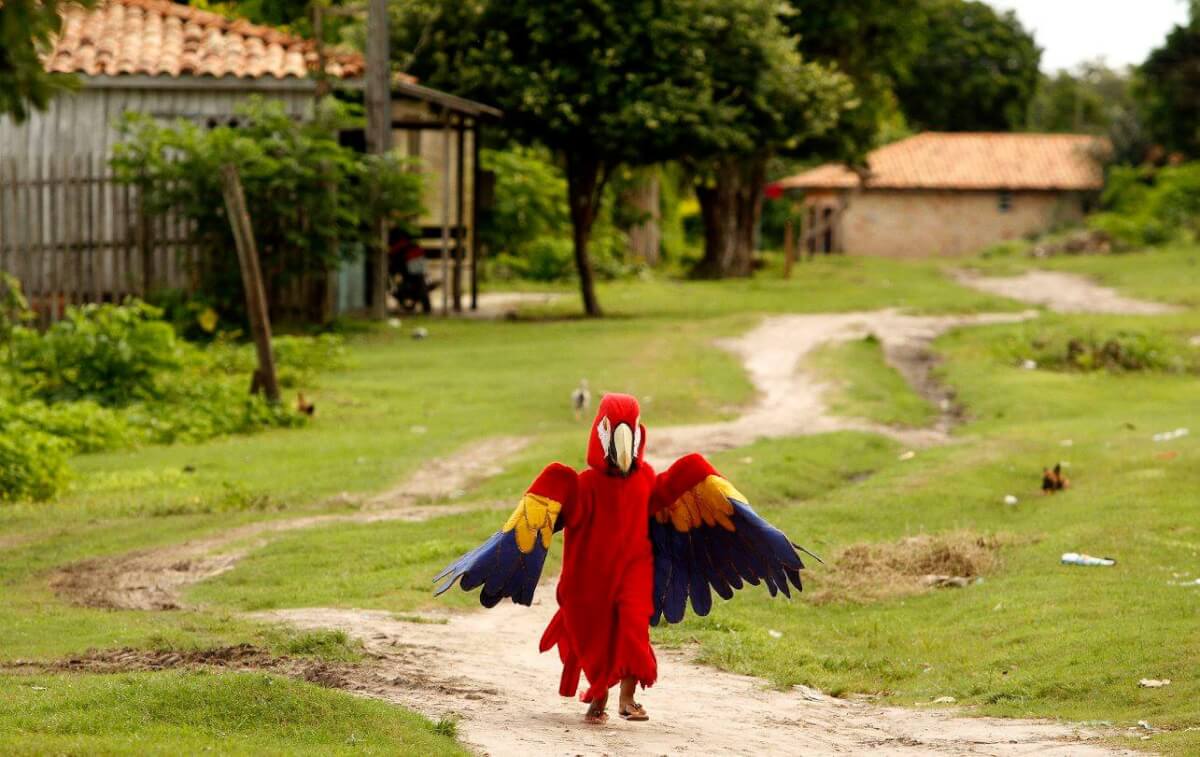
[791, 400]
[155, 579]
[1062, 293]
[484, 668]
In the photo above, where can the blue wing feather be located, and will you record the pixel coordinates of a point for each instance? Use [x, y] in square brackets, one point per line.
[687, 564]
[500, 568]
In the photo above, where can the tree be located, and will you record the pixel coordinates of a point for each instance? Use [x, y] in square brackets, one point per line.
[27, 31]
[600, 84]
[874, 42]
[766, 99]
[1169, 89]
[978, 71]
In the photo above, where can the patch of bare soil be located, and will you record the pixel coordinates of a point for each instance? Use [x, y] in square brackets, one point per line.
[242, 657]
[871, 572]
[493, 305]
[1062, 292]
[155, 579]
[791, 400]
[484, 668]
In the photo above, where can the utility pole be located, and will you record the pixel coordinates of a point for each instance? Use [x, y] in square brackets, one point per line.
[379, 138]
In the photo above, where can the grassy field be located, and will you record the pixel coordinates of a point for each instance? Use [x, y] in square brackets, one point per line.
[1033, 638]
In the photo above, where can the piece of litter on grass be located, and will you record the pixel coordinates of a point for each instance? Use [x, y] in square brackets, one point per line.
[395, 323]
[1154, 683]
[1145, 725]
[945, 700]
[774, 634]
[907, 455]
[946, 582]
[1087, 561]
[1029, 365]
[747, 460]
[1166, 436]
[1067, 442]
[1184, 583]
[1010, 499]
[38, 688]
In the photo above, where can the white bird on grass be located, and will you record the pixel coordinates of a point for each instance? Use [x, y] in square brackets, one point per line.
[581, 399]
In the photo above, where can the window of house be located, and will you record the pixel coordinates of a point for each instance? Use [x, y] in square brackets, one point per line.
[1004, 202]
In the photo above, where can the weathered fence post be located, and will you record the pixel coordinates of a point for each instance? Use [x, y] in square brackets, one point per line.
[256, 300]
[789, 246]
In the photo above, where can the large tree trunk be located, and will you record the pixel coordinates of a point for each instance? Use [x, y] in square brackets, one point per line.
[642, 198]
[731, 207]
[585, 187]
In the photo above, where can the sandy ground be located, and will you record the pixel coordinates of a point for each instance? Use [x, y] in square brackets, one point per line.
[484, 668]
[1062, 293]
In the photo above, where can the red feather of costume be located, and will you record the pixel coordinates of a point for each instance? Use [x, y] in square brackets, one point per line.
[636, 547]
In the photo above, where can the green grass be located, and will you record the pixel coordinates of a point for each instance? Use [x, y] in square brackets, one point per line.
[865, 386]
[1035, 638]
[173, 713]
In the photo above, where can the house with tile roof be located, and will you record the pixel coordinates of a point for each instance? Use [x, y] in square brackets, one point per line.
[945, 194]
[173, 61]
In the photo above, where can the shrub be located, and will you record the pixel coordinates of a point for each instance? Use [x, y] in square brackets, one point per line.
[83, 426]
[309, 197]
[110, 354]
[1148, 207]
[33, 465]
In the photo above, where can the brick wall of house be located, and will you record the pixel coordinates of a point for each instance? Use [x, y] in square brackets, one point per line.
[912, 224]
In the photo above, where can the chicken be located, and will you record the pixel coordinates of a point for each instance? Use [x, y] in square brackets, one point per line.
[1054, 480]
[581, 399]
[304, 406]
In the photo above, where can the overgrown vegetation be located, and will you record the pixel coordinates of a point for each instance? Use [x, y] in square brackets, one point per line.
[312, 201]
[1065, 346]
[113, 376]
[1149, 206]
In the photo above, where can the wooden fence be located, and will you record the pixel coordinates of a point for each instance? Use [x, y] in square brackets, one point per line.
[72, 234]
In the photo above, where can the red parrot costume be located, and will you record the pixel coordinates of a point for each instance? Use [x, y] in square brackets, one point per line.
[636, 547]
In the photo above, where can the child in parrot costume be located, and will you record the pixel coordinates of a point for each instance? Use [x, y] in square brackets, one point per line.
[636, 548]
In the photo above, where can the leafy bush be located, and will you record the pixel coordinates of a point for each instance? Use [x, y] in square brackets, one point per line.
[309, 197]
[1121, 351]
[1149, 207]
[528, 229]
[83, 426]
[33, 465]
[110, 354]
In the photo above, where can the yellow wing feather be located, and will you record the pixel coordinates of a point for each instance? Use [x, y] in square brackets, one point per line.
[534, 515]
[706, 503]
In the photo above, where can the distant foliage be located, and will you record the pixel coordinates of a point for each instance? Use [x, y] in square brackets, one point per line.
[27, 28]
[978, 71]
[309, 198]
[527, 229]
[1147, 206]
[1169, 90]
[33, 465]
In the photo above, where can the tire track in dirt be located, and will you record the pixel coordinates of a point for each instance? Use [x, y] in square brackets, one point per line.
[155, 579]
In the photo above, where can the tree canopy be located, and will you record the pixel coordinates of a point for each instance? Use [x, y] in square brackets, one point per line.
[978, 70]
[1169, 89]
[27, 28]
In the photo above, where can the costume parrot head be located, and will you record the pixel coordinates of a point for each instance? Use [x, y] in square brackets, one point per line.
[618, 438]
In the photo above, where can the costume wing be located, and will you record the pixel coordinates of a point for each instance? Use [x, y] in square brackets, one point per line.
[510, 563]
[706, 534]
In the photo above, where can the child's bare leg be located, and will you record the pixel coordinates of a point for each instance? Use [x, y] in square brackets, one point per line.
[595, 712]
[629, 709]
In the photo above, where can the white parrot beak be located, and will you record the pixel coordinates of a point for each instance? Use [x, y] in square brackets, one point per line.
[623, 447]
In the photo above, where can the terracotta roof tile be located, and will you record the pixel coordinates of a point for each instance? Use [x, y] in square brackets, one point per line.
[981, 161]
[160, 38]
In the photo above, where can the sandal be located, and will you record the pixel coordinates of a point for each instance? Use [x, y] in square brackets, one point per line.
[634, 712]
